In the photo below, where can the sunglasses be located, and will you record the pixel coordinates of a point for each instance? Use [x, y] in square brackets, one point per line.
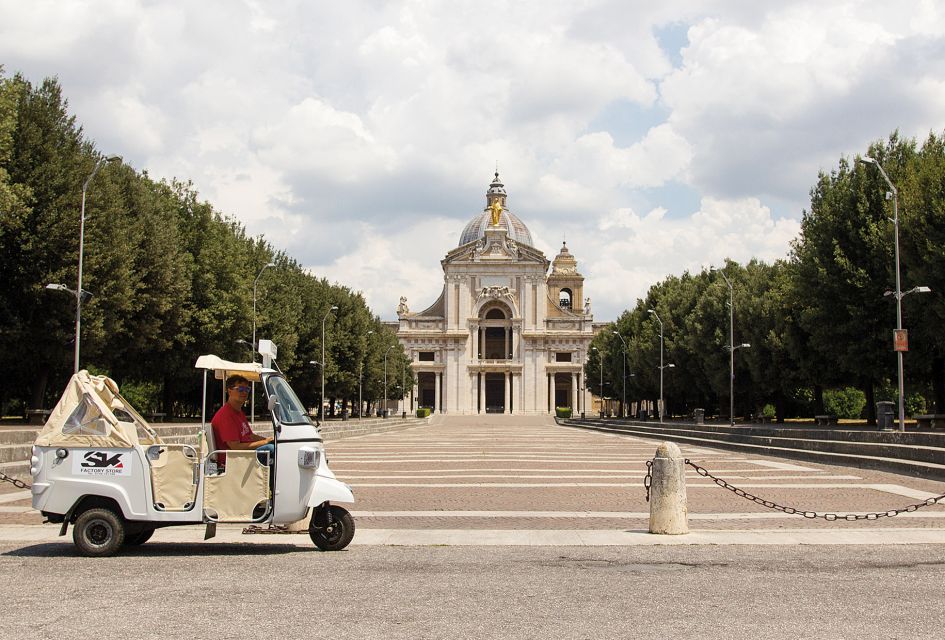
[242, 389]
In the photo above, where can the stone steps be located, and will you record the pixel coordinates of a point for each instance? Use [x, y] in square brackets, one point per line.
[919, 454]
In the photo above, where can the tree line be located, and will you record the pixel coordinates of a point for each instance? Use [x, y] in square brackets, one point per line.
[819, 322]
[171, 279]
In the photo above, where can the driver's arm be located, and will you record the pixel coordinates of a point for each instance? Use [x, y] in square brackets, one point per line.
[242, 446]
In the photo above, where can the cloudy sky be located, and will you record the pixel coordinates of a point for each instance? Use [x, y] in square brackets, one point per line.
[360, 136]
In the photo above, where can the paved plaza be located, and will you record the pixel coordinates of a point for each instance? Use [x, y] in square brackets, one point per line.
[518, 480]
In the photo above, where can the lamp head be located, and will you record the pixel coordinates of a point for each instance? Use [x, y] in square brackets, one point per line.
[56, 287]
[113, 159]
[745, 345]
[866, 160]
[333, 308]
[651, 311]
[923, 290]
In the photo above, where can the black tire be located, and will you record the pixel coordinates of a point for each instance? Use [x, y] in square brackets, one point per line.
[338, 534]
[98, 533]
[139, 538]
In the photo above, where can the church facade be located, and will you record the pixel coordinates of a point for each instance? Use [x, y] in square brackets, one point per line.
[505, 335]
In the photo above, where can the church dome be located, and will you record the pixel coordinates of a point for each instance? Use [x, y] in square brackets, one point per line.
[476, 228]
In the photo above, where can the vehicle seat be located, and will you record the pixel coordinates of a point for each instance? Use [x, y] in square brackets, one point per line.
[212, 447]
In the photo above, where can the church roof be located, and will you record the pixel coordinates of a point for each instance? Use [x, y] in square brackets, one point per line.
[476, 228]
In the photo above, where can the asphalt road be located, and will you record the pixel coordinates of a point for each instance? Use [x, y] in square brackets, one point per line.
[171, 590]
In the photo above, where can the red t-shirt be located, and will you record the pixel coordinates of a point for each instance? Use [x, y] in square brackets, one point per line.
[231, 425]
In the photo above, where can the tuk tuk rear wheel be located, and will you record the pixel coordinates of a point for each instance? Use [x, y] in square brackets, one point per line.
[98, 533]
[335, 536]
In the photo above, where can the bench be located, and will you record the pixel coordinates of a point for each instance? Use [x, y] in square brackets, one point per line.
[825, 421]
[38, 416]
[156, 416]
[931, 420]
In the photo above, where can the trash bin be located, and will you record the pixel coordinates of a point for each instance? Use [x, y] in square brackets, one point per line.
[698, 415]
[344, 415]
[642, 414]
[885, 415]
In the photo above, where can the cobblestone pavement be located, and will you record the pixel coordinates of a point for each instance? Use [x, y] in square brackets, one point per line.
[528, 473]
[508, 472]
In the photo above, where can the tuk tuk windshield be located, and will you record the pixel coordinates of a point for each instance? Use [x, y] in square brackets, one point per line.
[289, 410]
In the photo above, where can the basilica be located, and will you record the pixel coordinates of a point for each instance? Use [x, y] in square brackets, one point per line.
[505, 335]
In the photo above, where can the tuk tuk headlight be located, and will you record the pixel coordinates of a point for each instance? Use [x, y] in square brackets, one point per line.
[309, 458]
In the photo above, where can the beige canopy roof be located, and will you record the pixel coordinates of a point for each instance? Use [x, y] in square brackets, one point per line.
[92, 413]
[225, 368]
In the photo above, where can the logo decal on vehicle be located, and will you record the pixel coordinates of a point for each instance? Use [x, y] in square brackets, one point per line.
[102, 464]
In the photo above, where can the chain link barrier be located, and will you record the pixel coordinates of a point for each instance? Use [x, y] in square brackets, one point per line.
[14, 481]
[811, 515]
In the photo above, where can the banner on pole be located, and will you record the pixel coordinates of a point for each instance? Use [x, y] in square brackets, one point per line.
[900, 339]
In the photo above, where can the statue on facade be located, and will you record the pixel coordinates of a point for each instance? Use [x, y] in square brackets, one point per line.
[402, 308]
[587, 306]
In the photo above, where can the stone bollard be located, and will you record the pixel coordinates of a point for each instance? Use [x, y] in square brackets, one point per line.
[668, 510]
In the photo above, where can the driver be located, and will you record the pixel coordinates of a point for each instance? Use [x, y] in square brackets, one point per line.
[231, 430]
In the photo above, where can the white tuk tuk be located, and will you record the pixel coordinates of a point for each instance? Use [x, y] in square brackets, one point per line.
[99, 465]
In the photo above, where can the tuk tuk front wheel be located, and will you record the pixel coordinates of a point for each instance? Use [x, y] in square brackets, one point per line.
[98, 533]
[332, 528]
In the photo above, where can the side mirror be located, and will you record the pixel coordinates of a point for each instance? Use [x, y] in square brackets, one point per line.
[273, 402]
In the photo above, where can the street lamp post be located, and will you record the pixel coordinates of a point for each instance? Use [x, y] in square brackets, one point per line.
[898, 292]
[662, 366]
[384, 410]
[731, 346]
[623, 405]
[78, 289]
[252, 401]
[321, 409]
[318, 415]
[360, 380]
[255, 282]
[601, 357]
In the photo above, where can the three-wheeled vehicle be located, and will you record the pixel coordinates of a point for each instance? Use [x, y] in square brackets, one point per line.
[98, 465]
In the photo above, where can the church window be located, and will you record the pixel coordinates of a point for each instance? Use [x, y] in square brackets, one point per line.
[563, 356]
[495, 314]
[425, 356]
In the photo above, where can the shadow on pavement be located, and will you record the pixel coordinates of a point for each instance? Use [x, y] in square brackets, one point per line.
[163, 549]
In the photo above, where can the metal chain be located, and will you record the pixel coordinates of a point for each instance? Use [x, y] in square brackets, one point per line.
[830, 517]
[648, 478]
[16, 483]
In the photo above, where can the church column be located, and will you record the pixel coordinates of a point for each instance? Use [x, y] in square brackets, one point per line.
[516, 341]
[436, 392]
[473, 400]
[475, 353]
[508, 394]
[505, 333]
[574, 394]
[482, 391]
[551, 393]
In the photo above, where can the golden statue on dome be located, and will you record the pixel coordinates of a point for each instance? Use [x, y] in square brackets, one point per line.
[496, 209]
